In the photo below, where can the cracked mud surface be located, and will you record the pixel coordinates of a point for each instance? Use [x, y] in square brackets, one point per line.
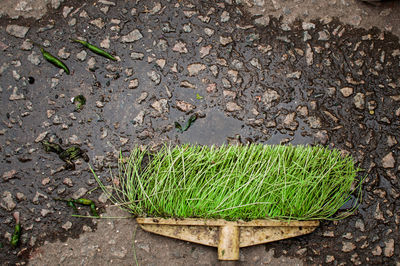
[248, 78]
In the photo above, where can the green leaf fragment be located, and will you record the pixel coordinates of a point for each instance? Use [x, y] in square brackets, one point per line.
[16, 235]
[199, 97]
[79, 101]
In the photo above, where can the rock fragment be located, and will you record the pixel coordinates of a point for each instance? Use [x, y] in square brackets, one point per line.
[154, 76]
[7, 201]
[17, 30]
[348, 246]
[9, 174]
[184, 106]
[346, 91]
[133, 36]
[180, 47]
[195, 68]
[388, 251]
[133, 84]
[289, 122]
[270, 96]
[79, 193]
[388, 161]
[225, 40]
[233, 107]
[359, 100]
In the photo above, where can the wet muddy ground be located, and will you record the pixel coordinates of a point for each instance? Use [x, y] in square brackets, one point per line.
[246, 79]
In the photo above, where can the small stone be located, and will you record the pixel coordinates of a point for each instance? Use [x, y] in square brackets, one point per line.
[63, 54]
[289, 122]
[98, 23]
[302, 110]
[103, 198]
[44, 212]
[388, 250]
[225, 40]
[295, 75]
[378, 215]
[133, 84]
[314, 122]
[377, 251]
[270, 96]
[205, 50]
[184, 106]
[92, 64]
[233, 107]
[388, 161]
[67, 10]
[194, 69]
[133, 36]
[263, 21]
[360, 225]
[72, 22]
[226, 83]
[27, 45]
[123, 141]
[15, 96]
[34, 58]
[308, 26]
[323, 35]
[161, 106]
[67, 226]
[81, 56]
[187, 28]
[212, 87]
[17, 31]
[329, 259]
[142, 97]
[154, 76]
[79, 193]
[41, 136]
[225, 16]
[187, 84]
[161, 63]
[45, 181]
[309, 55]
[7, 201]
[180, 47]
[359, 100]
[391, 140]
[137, 56]
[9, 174]
[209, 31]
[120, 253]
[255, 63]
[105, 43]
[20, 196]
[68, 181]
[139, 118]
[346, 91]
[348, 246]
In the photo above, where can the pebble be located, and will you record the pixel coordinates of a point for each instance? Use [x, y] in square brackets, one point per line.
[308, 26]
[142, 97]
[161, 63]
[359, 100]
[63, 54]
[67, 10]
[314, 122]
[195, 68]
[296, 75]
[68, 181]
[133, 36]
[225, 40]
[233, 107]
[41, 136]
[139, 118]
[360, 225]
[377, 251]
[263, 21]
[348, 246]
[346, 91]
[44, 212]
[388, 250]
[67, 226]
[17, 30]
[388, 161]
[15, 96]
[92, 64]
[34, 58]
[225, 16]
[180, 47]
[184, 106]
[323, 35]
[205, 50]
[209, 31]
[7, 201]
[9, 174]
[133, 84]
[27, 45]
[154, 76]
[329, 259]
[255, 63]
[270, 96]
[309, 55]
[79, 193]
[187, 28]
[81, 56]
[289, 122]
[137, 56]
[161, 106]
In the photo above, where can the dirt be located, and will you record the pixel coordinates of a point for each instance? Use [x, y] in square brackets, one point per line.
[287, 81]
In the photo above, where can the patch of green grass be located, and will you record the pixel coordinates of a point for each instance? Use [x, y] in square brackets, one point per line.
[235, 182]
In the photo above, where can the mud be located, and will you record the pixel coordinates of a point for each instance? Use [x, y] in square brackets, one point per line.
[333, 84]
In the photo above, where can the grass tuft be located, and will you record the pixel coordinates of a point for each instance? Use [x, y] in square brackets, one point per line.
[235, 182]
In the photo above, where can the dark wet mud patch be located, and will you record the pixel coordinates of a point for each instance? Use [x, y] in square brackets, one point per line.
[330, 84]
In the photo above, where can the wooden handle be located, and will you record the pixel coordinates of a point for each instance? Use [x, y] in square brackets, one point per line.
[228, 244]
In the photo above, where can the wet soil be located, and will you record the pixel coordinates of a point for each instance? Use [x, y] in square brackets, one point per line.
[325, 83]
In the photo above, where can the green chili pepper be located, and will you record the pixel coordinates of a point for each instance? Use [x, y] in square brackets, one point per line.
[192, 118]
[55, 61]
[16, 235]
[71, 204]
[95, 49]
[84, 201]
[93, 210]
